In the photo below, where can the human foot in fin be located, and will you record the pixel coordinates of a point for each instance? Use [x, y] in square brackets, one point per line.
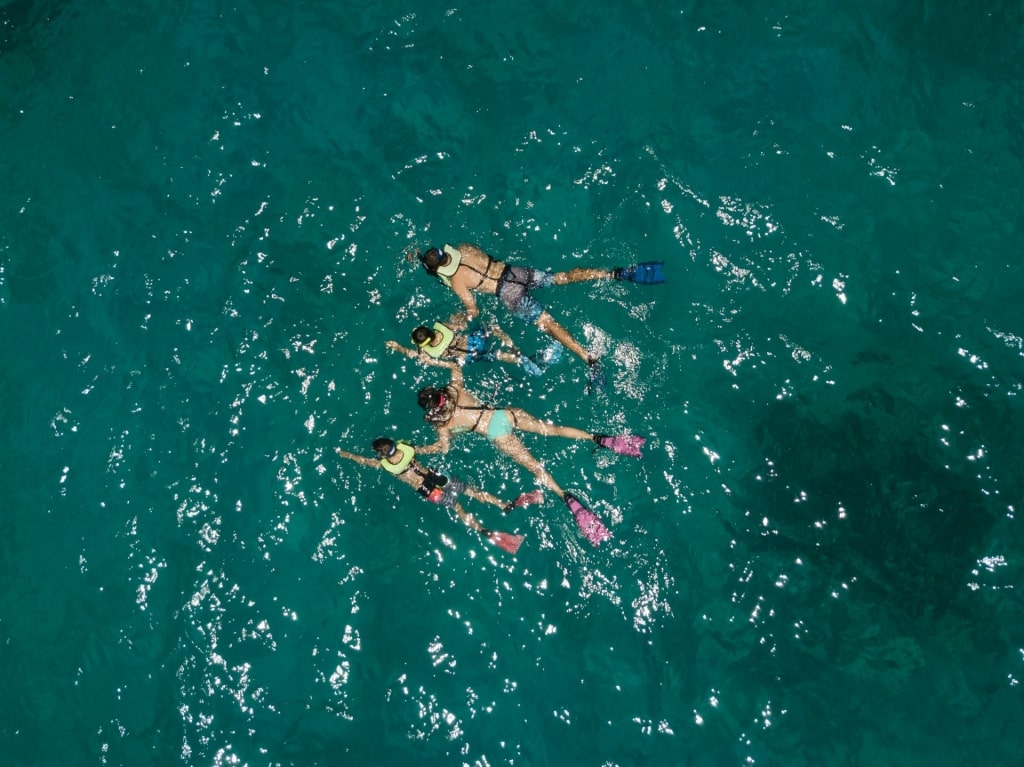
[645, 273]
[587, 521]
[596, 378]
[534, 496]
[623, 444]
[506, 541]
[530, 365]
[537, 363]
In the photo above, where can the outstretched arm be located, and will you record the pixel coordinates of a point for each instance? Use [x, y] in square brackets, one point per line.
[360, 459]
[397, 347]
[413, 354]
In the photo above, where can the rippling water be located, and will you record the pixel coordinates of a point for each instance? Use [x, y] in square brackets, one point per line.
[203, 227]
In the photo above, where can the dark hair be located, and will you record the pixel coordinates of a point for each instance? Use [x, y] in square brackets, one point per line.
[440, 404]
[383, 447]
[432, 260]
[429, 398]
[422, 335]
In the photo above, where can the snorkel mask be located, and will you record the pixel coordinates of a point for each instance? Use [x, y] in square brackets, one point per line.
[431, 259]
[384, 447]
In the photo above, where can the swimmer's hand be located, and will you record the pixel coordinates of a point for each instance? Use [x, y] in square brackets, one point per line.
[458, 321]
[397, 347]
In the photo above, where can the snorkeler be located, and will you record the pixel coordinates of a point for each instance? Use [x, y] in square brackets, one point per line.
[468, 270]
[449, 342]
[452, 411]
[399, 460]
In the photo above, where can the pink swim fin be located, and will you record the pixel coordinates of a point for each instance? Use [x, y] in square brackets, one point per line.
[506, 541]
[623, 444]
[587, 521]
[534, 496]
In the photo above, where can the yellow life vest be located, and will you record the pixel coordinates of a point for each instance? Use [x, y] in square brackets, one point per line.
[446, 272]
[437, 349]
[408, 453]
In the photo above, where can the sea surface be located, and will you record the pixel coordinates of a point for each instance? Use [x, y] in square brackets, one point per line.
[205, 216]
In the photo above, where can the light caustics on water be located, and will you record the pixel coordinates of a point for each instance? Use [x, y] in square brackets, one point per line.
[823, 523]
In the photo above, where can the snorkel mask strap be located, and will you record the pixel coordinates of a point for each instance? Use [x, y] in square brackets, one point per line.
[438, 260]
[441, 400]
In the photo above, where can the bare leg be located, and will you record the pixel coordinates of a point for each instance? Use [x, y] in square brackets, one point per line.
[547, 324]
[483, 496]
[526, 422]
[468, 519]
[582, 275]
[509, 357]
[513, 447]
[505, 338]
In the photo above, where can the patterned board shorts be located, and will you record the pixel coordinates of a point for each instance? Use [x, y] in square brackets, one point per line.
[514, 288]
[445, 495]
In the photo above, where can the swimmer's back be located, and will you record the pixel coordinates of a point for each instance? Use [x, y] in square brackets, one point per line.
[478, 272]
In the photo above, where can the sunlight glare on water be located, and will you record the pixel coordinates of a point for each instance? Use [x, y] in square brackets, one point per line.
[207, 218]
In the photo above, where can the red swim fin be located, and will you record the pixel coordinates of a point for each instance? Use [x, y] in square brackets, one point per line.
[534, 496]
[506, 541]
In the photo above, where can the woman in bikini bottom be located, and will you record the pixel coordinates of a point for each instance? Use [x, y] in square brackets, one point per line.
[450, 418]
[500, 424]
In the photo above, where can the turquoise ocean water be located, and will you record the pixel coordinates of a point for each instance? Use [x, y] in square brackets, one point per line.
[204, 215]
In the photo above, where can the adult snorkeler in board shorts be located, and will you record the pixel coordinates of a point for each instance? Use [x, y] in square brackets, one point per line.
[467, 269]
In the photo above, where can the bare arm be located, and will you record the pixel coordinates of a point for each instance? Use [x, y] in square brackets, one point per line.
[397, 347]
[444, 435]
[457, 380]
[360, 459]
[413, 354]
[466, 296]
[458, 321]
[442, 444]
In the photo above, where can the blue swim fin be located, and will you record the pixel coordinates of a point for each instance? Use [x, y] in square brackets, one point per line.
[596, 378]
[646, 273]
[537, 363]
[528, 364]
[550, 355]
